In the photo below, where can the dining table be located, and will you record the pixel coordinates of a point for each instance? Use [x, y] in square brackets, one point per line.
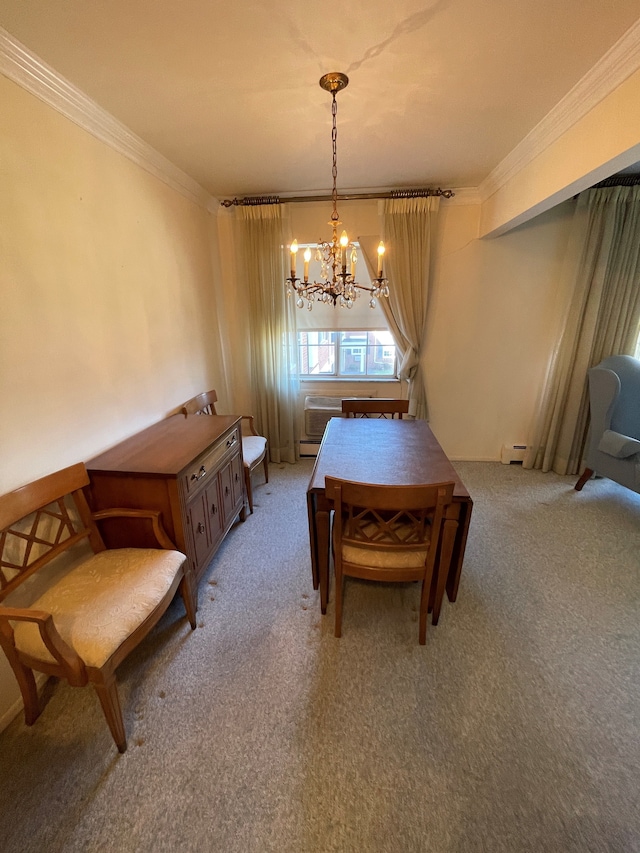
[387, 452]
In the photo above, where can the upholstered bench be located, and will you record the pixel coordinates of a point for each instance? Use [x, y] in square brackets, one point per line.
[73, 614]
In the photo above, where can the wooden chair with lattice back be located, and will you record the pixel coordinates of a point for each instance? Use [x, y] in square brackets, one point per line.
[254, 446]
[85, 608]
[387, 533]
[376, 407]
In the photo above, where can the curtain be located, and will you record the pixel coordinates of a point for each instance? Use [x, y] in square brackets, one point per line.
[274, 373]
[408, 232]
[602, 275]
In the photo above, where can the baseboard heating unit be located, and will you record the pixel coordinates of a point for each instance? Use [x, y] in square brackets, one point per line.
[512, 454]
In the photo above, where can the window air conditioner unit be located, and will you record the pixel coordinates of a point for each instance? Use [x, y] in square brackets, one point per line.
[317, 413]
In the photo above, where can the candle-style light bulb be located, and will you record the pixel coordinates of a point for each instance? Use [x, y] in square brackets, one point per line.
[380, 254]
[344, 242]
[294, 251]
[307, 258]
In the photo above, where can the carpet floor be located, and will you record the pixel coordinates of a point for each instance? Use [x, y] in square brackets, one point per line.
[515, 729]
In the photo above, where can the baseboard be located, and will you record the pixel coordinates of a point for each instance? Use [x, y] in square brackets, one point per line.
[474, 458]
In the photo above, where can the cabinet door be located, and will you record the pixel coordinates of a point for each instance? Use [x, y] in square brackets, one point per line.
[237, 480]
[197, 515]
[226, 492]
[214, 511]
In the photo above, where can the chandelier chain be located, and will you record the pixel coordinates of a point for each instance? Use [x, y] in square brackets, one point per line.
[334, 145]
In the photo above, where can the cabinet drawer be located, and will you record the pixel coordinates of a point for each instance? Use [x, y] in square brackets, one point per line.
[200, 471]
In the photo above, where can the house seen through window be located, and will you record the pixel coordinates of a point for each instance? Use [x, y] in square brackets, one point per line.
[348, 354]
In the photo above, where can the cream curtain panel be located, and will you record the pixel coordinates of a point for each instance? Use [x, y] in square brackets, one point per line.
[262, 232]
[408, 232]
[602, 275]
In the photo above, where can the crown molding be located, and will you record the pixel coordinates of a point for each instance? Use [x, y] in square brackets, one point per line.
[23, 67]
[618, 63]
[462, 195]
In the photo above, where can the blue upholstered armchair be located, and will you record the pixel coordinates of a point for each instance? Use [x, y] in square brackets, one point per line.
[614, 442]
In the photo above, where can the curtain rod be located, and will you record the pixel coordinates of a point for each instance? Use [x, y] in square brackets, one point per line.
[274, 199]
[618, 181]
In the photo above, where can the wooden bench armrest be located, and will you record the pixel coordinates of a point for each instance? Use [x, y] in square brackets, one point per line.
[160, 533]
[251, 426]
[67, 658]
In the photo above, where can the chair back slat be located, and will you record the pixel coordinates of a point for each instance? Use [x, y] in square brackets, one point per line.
[375, 408]
[201, 404]
[388, 517]
[36, 524]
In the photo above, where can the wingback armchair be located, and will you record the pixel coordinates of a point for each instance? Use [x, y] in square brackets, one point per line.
[614, 442]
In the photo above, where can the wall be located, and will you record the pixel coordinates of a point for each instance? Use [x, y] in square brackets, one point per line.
[493, 320]
[108, 308]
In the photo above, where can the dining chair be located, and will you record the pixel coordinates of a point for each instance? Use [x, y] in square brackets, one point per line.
[387, 533]
[254, 446]
[375, 408]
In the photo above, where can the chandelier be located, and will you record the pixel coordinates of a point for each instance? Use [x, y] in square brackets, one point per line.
[338, 285]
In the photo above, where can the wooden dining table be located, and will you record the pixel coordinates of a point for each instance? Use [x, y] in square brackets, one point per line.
[387, 452]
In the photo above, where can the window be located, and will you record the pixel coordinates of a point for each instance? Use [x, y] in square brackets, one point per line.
[347, 353]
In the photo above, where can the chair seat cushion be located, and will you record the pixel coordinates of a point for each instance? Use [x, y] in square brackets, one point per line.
[101, 602]
[253, 449]
[377, 559]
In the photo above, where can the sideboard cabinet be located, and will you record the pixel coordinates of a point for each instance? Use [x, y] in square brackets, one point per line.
[188, 468]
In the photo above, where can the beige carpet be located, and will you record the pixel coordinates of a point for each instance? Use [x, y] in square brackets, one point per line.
[514, 729]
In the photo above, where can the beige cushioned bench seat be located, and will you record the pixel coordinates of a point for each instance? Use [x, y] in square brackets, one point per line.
[101, 602]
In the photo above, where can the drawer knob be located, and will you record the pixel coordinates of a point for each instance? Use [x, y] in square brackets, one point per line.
[226, 490]
[231, 441]
[200, 473]
[200, 527]
[214, 509]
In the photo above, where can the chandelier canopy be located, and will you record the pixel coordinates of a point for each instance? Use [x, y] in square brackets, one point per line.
[338, 285]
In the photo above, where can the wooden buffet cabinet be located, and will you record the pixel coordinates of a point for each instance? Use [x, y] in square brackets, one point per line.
[188, 468]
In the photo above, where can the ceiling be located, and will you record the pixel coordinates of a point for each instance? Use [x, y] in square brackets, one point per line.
[439, 93]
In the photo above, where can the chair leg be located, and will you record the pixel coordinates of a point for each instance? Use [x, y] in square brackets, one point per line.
[424, 610]
[265, 462]
[247, 485]
[29, 691]
[107, 691]
[339, 593]
[187, 591]
[24, 676]
[587, 474]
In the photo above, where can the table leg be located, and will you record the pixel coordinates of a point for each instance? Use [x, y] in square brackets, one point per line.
[455, 569]
[449, 530]
[322, 532]
[313, 539]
